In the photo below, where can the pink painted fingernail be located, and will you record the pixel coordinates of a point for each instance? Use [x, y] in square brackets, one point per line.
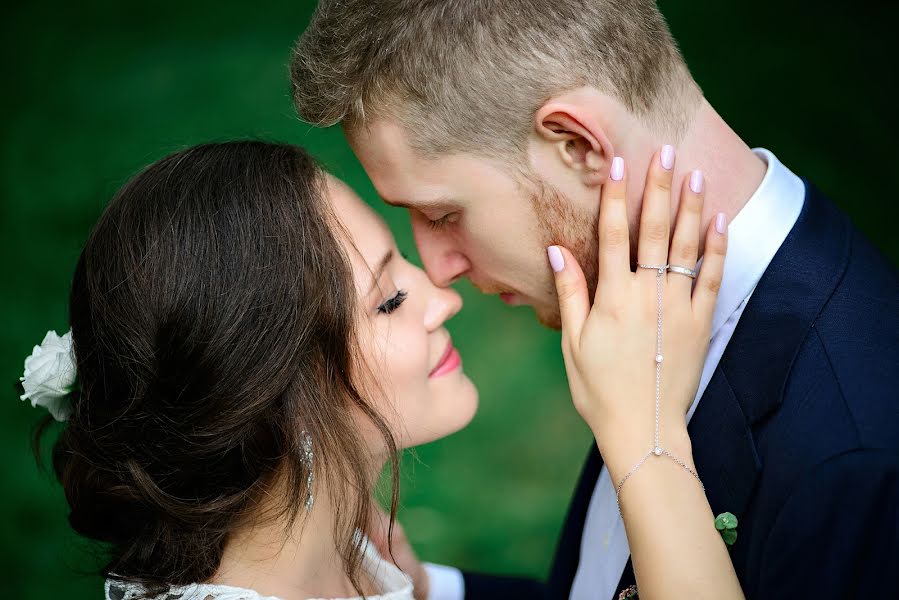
[556, 260]
[721, 223]
[696, 181]
[617, 173]
[667, 157]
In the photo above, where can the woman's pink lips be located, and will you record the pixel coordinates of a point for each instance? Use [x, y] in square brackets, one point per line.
[450, 361]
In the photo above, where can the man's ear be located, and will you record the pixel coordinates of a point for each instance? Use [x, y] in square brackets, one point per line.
[579, 139]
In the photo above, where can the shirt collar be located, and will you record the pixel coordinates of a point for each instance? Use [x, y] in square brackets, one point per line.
[756, 233]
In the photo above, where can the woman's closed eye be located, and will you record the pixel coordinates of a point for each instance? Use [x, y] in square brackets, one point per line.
[393, 303]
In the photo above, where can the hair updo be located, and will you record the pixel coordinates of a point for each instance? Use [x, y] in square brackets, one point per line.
[212, 313]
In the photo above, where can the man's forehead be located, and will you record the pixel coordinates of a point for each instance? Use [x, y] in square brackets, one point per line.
[382, 145]
[401, 177]
[405, 178]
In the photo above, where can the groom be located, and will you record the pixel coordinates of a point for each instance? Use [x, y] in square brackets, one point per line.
[495, 123]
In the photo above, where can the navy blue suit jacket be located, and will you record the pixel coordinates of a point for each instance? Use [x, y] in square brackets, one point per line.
[798, 431]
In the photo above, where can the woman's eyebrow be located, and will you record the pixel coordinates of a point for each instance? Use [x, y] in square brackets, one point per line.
[379, 270]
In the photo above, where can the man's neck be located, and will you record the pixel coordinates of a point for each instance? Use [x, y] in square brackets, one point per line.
[732, 172]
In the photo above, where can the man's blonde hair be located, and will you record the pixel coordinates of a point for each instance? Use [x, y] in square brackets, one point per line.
[469, 75]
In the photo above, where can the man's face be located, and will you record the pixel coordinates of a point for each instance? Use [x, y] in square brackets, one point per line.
[473, 217]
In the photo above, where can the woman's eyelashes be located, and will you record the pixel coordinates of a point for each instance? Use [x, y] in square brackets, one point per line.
[392, 303]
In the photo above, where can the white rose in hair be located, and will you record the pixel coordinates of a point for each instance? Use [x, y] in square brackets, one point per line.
[50, 375]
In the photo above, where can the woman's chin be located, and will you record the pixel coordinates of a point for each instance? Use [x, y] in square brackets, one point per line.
[468, 403]
[453, 410]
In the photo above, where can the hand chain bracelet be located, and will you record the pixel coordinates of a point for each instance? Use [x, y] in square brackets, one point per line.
[656, 449]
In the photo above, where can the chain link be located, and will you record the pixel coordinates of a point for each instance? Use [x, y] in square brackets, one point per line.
[657, 449]
[657, 439]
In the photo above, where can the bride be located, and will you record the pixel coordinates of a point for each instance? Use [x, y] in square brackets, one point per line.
[251, 349]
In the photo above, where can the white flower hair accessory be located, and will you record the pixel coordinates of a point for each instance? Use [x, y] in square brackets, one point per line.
[50, 375]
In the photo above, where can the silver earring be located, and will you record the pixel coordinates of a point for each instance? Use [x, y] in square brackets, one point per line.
[308, 456]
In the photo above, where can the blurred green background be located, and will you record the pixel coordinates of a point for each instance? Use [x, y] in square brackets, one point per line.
[95, 90]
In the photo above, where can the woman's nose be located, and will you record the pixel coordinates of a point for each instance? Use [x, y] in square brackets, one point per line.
[443, 304]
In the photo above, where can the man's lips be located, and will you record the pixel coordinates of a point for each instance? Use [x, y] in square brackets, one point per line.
[449, 362]
[511, 299]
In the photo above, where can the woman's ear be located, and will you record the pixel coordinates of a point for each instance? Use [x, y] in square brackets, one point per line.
[578, 138]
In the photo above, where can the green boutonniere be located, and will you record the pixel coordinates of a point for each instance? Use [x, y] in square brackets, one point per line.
[726, 524]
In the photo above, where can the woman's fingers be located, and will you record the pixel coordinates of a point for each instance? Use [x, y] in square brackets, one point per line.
[571, 287]
[614, 235]
[685, 239]
[709, 281]
[655, 216]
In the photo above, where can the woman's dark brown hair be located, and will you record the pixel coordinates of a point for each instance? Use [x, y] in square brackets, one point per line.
[212, 312]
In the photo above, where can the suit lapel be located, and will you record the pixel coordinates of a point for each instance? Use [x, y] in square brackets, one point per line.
[723, 449]
[749, 383]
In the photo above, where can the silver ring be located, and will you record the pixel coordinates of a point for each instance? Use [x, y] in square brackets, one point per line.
[683, 271]
[660, 268]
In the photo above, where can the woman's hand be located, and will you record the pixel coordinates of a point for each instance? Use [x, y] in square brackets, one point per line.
[610, 348]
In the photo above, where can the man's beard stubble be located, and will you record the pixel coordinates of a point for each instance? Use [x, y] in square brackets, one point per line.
[561, 223]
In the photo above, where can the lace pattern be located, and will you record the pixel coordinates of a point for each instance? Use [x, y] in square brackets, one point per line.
[395, 585]
[120, 590]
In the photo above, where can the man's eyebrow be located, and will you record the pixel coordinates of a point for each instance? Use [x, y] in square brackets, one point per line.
[379, 270]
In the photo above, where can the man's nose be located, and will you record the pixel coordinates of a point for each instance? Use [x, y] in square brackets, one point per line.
[443, 262]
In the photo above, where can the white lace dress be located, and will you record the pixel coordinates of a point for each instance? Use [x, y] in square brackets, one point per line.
[392, 584]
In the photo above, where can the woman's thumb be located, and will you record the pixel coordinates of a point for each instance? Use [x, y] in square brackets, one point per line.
[571, 288]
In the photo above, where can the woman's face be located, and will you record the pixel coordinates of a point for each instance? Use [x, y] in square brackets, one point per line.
[423, 392]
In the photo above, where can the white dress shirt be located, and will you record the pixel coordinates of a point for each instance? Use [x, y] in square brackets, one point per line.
[754, 236]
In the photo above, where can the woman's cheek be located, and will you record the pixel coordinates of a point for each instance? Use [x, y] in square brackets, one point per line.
[410, 367]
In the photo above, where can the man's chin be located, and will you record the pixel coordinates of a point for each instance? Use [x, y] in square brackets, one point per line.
[548, 317]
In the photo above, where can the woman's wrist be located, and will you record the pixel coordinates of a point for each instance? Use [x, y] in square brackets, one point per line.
[623, 447]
